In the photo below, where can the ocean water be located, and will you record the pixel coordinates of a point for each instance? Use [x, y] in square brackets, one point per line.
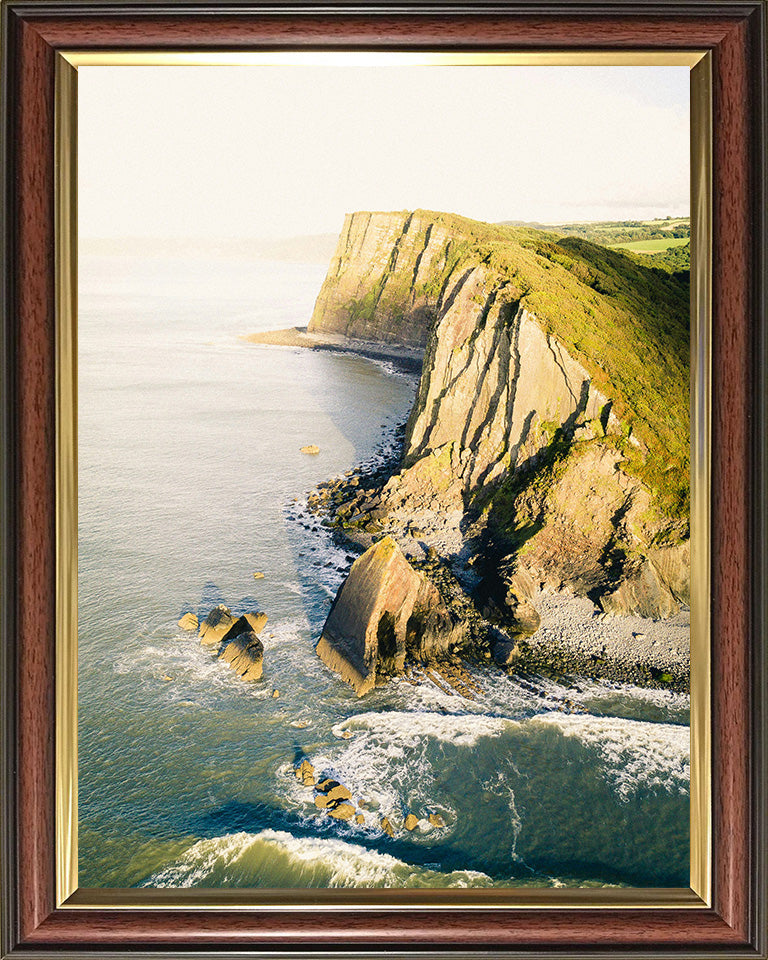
[191, 480]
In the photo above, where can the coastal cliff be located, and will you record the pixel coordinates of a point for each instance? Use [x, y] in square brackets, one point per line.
[550, 426]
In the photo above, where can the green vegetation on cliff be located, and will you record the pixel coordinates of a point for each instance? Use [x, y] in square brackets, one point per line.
[625, 320]
[629, 324]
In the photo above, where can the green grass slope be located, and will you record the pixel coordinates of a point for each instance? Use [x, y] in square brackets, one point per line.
[627, 322]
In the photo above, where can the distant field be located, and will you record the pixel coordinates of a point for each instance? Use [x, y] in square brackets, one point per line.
[667, 224]
[651, 246]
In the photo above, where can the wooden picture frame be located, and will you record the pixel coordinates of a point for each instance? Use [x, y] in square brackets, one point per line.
[734, 33]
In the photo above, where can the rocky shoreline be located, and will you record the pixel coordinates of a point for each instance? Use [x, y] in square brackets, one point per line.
[574, 637]
[535, 631]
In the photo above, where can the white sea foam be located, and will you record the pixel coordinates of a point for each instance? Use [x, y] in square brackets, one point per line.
[275, 855]
[406, 728]
[634, 753]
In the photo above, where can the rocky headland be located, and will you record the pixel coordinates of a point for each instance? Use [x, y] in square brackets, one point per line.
[546, 455]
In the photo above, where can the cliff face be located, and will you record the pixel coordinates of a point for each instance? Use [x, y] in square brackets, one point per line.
[507, 421]
[379, 283]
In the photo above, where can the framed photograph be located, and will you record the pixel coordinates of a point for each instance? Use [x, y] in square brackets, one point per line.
[383, 519]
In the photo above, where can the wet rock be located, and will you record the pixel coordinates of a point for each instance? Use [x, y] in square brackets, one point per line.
[258, 575]
[387, 827]
[306, 773]
[339, 792]
[216, 624]
[360, 818]
[411, 821]
[342, 811]
[311, 448]
[275, 694]
[189, 622]
[384, 610]
[241, 647]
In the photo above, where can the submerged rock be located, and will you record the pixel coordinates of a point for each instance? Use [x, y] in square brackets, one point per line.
[384, 610]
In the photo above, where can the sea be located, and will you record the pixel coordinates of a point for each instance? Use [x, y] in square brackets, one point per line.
[190, 481]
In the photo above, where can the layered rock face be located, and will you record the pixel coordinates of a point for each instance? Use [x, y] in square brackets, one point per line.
[380, 282]
[384, 611]
[506, 420]
[495, 387]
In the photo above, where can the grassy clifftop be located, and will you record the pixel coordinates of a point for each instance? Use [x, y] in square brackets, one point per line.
[629, 324]
[625, 321]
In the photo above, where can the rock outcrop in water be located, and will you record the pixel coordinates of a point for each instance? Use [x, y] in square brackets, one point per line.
[384, 611]
[552, 404]
[241, 647]
[238, 640]
[215, 625]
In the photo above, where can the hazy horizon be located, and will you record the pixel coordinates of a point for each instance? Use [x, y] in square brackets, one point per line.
[267, 153]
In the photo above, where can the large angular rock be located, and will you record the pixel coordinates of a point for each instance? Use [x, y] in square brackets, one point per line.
[384, 610]
[215, 625]
[241, 647]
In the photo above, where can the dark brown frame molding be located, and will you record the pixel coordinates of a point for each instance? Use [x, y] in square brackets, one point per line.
[735, 33]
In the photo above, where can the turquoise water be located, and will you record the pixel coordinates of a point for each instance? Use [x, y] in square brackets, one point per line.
[190, 480]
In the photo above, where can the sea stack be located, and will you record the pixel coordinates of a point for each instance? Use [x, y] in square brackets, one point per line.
[384, 610]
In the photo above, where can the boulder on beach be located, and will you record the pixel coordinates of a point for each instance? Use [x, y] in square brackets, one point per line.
[241, 647]
[384, 610]
[216, 624]
[505, 652]
[189, 622]
[310, 448]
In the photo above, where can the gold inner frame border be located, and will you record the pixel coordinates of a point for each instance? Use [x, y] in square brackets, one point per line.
[68, 894]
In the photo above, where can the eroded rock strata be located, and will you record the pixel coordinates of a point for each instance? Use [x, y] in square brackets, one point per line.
[537, 458]
[385, 610]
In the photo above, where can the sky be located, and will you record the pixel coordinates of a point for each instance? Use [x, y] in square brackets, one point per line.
[281, 151]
